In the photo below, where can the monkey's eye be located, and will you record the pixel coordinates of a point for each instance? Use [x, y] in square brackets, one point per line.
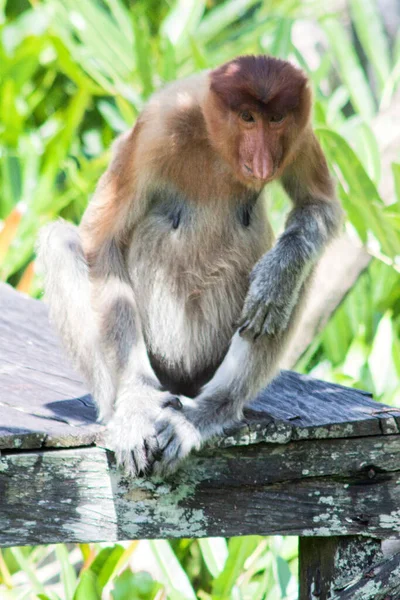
[245, 115]
[276, 118]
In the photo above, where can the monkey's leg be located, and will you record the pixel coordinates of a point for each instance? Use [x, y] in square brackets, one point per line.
[247, 368]
[107, 346]
[67, 291]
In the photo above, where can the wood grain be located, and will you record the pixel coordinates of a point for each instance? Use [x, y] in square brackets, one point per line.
[328, 565]
[306, 488]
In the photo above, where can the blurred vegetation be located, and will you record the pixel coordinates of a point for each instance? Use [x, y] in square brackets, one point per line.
[73, 74]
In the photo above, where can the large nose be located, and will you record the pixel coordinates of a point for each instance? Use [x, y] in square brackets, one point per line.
[262, 161]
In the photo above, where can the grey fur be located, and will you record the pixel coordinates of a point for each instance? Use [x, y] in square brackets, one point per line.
[101, 330]
[278, 285]
[162, 309]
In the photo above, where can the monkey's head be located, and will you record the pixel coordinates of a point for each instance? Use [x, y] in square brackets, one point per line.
[256, 109]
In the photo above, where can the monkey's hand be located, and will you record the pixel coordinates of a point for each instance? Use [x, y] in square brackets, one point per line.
[177, 435]
[186, 425]
[273, 293]
[131, 434]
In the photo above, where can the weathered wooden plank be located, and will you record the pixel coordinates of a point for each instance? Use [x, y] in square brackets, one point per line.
[22, 430]
[317, 487]
[327, 565]
[43, 402]
[382, 582]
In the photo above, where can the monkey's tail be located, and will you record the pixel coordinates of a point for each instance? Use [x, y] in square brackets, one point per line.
[67, 286]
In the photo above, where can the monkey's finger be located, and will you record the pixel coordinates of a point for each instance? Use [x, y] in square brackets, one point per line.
[172, 456]
[256, 324]
[270, 327]
[139, 459]
[166, 467]
[249, 311]
[161, 426]
[152, 450]
[276, 320]
[165, 437]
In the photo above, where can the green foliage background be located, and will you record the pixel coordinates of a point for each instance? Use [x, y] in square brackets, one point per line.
[73, 74]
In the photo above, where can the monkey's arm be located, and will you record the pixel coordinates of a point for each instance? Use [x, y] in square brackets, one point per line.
[276, 280]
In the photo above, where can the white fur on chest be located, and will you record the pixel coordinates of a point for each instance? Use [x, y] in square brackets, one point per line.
[191, 281]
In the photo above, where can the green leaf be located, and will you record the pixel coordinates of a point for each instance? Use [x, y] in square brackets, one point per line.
[391, 85]
[121, 16]
[363, 196]
[174, 575]
[68, 576]
[350, 69]
[168, 60]
[284, 574]
[215, 554]
[95, 40]
[361, 136]
[283, 38]
[104, 565]
[28, 569]
[356, 358]
[134, 586]
[239, 550]
[72, 69]
[337, 101]
[381, 363]
[199, 59]
[371, 33]
[143, 54]
[220, 17]
[112, 116]
[396, 176]
[182, 20]
[88, 587]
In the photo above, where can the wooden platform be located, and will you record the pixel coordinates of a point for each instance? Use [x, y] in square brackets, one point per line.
[312, 458]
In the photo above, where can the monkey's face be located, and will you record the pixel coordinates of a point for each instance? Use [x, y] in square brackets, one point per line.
[260, 141]
[259, 107]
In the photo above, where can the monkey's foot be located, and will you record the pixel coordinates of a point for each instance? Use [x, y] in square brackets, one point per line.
[131, 434]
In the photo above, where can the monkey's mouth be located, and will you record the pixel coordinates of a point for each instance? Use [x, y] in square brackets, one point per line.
[248, 172]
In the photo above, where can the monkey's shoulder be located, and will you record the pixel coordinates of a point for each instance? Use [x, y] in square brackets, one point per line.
[174, 113]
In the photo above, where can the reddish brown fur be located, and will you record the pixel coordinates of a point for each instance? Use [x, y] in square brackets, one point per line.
[267, 87]
[264, 83]
[190, 136]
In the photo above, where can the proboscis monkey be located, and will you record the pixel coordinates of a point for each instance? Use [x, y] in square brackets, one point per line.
[172, 296]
